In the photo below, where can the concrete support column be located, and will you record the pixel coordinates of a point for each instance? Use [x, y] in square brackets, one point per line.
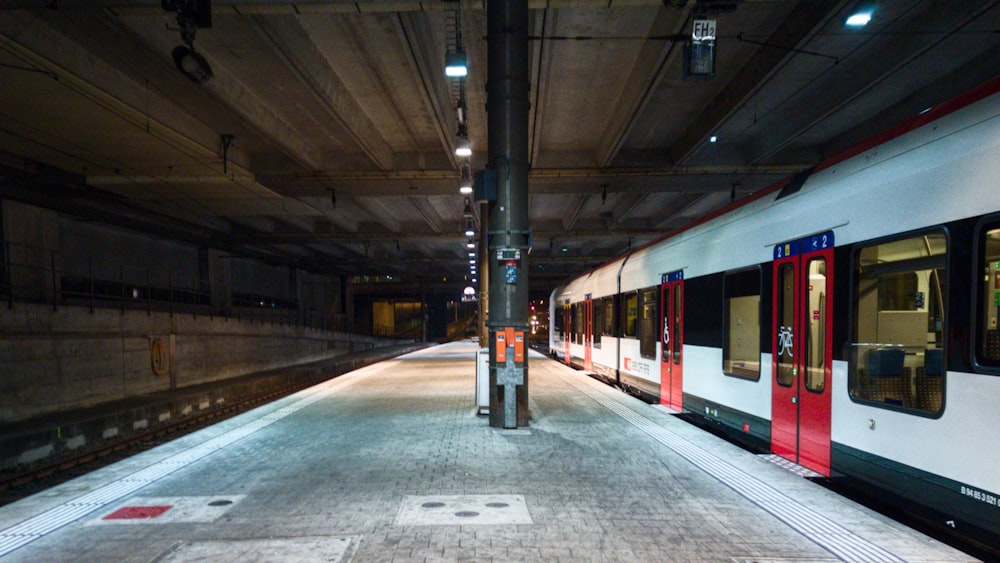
[483, 268]
[507, 104]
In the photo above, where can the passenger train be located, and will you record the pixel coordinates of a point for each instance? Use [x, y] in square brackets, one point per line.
[845, 318]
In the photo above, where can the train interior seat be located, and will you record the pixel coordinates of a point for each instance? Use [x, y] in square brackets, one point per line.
[886, 379]
[928, 380]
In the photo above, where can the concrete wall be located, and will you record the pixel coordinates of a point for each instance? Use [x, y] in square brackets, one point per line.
[41, 248]
[57, 360]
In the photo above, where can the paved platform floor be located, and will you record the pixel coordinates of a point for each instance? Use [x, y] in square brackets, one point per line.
[391, 463]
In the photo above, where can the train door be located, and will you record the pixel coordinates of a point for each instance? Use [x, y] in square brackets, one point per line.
[568, 324]
[801, 351]
[588, 332]
[672, 339]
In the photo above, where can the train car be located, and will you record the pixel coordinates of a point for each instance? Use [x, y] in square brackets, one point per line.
[845, 319]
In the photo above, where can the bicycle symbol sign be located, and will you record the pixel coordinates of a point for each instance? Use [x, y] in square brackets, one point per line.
[785, 341]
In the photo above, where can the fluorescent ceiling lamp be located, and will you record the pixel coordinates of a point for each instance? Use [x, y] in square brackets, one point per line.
[455, 65]
[859, 19]
[861, 14]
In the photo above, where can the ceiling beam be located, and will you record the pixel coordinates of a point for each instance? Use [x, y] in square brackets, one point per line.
[637, 93]
[542, 58]
[345, 236]
[292, 7]
[425, 60]
[382, 215]
[292, 43]
[574, 216]
[799, 115]
[426, 210]
[622, 211]
[799, 27]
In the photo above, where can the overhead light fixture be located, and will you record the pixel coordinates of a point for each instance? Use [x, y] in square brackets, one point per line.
[472, 255]
[861, 14]
[463, 148]
[191, 15]
[456, 65]
[465, 188]
[713, 139]
[467, 212]
[469, 231]
[470, 244]
[191, 64]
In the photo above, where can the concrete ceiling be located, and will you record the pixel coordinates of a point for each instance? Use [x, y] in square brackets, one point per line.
[343, 123]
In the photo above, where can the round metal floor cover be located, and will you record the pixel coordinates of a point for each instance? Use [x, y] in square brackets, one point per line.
[462, 510]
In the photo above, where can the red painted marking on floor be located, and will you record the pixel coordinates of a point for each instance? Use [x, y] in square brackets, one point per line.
[137, 512]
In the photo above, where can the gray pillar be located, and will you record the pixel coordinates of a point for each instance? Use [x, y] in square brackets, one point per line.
[507, 104]
[483, 267]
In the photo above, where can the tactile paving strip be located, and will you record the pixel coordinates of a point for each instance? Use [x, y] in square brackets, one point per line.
[821, 530]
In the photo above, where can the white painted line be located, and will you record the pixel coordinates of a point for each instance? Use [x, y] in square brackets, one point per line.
[19, 535]
[300, 549]
[818, 528]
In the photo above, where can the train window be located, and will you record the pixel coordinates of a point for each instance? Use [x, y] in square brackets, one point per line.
[631, 314]
[598, 321]
[815, 323]
[741, 336]
[988, 346]
[786, 366]
[558, 322]
[609, 316]
[648, 334]
[569, 322]
[578, 323]
[897, 355]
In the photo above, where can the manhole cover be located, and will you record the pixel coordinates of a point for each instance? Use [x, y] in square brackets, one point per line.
[462, 510]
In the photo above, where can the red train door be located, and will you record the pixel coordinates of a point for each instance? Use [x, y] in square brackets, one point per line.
[672, 339]
[568, 325]
[588, 332]
[801, 351]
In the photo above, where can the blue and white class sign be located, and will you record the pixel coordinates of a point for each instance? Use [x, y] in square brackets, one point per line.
[806, 245]
[676, 275]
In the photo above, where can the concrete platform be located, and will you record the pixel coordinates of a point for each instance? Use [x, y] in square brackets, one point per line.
[391, 463]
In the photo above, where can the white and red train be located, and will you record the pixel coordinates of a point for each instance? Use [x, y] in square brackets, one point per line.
[846, 318]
